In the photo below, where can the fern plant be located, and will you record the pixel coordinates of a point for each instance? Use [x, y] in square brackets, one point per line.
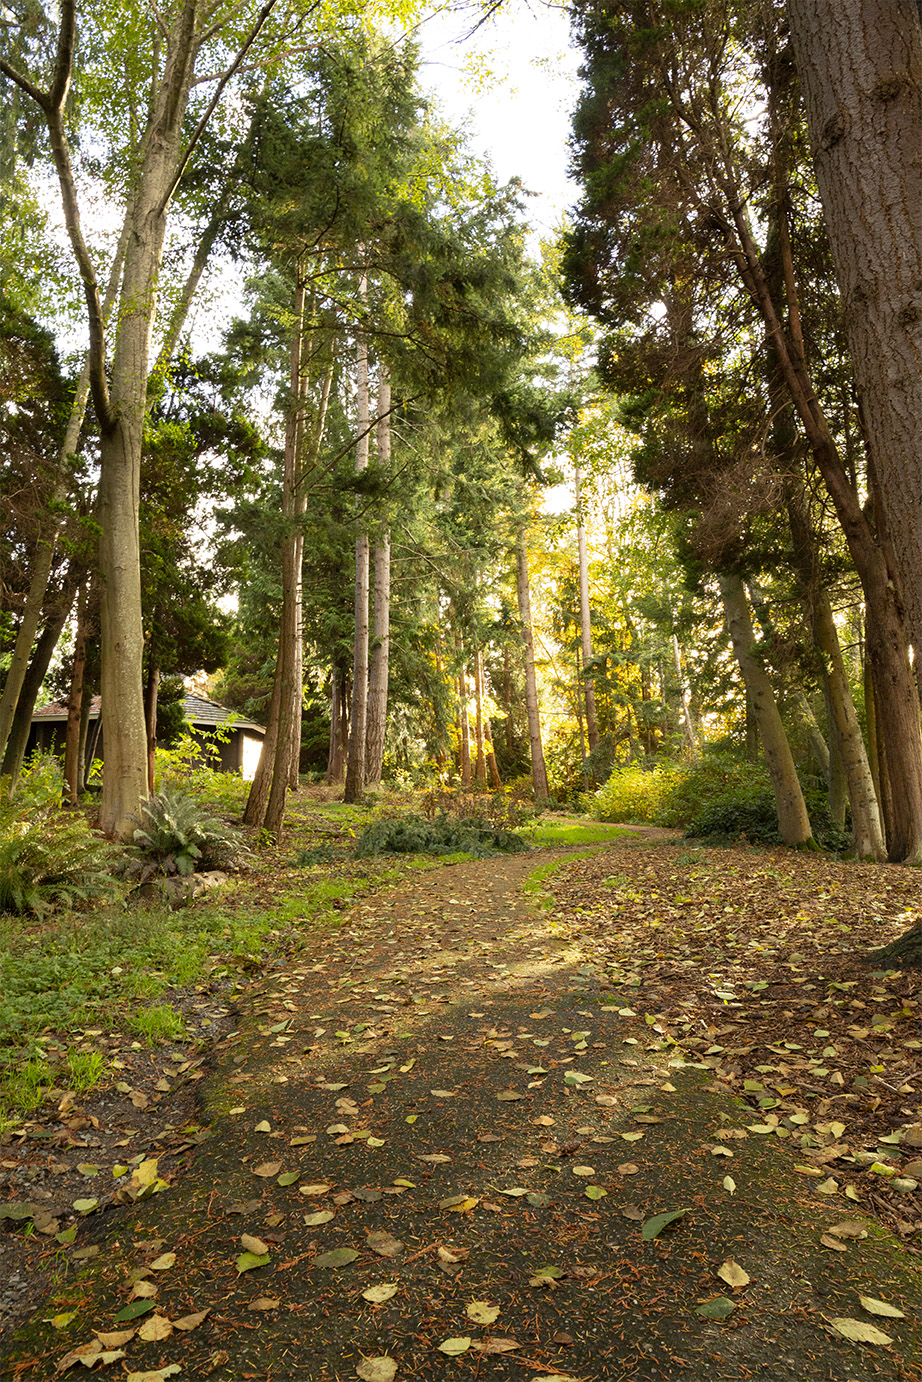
[177, 835]
[48, 856]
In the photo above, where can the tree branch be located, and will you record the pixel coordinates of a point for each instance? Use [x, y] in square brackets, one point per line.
[212, 104]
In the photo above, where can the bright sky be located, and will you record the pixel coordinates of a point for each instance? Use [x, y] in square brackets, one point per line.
[513, 85]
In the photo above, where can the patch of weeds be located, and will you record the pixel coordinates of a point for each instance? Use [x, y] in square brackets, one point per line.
[414, 835]
[317, 854]
[23, 1090]
[84, 1070]
[158, 1024]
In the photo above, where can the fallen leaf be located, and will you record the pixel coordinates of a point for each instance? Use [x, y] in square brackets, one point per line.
[453, 1347]
[507, 1096]
[859, 1332]
[164, 1262]
[187, 1322]
[384, 1244]
[836, 1243]
[482, 1312]
[377, 1295]
[157, 1375]
[313, 1191]
[380, 1369]
[733, 1274]
[267, 1169]
[155, 1329]
[133, 1310]
[248, 1260]
[497, 1344]
[880, 1307]
[114, 1338]
[322, 1216]
[595, 1192]
[459, 1204]
[729, 1185]
[254, 1245]
[717, 1309]
[264, 1126]
[339, 1257]
[653, 1227]
[264, 1303]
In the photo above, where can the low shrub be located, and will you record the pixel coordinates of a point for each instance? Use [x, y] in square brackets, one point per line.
[414, 835]
[191, 765]
[48, 856]
[756, 820]
[177, 835]
[632, 794]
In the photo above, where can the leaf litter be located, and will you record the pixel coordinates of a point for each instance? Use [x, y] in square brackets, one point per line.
[469, 1203]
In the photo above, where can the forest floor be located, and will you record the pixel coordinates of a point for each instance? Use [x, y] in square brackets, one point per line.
[638, 1111]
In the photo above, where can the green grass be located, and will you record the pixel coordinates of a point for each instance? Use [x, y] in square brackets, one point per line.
[546, 832]
[158, 1024]
[533, 887]
[84, 1069]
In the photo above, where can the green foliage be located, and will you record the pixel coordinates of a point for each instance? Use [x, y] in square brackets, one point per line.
[48, 856]
[711, 780]
[176, 834]
[631, 793]
[414, 835]
[85, 1070]
[190, 764]
[756, 820]
[157, 1024]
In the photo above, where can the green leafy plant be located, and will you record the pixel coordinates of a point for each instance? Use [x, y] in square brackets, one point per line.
[176, 834]
[191, 764]
[48, 856]
[84, 1069]
[414, 835]
[159, 1023]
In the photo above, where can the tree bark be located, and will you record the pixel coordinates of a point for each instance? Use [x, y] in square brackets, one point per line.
[538, 769]
[150, 718]
[860, 69]
[75, 703]
[480, 768]
[793, 821]
[465, 750]
[496, 781]
[355, 767]
[18, 738]
[381, 638]
[585, 618]
[288, 740]
[688, 720]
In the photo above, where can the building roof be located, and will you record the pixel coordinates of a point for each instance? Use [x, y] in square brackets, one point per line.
[200, 712]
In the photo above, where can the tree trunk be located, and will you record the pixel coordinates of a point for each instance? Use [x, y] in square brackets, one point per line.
[38, 586]
[538, 769]
[465, 763]
[288, 741]
[355, 767]
[255, 810]
[150, 718]
[793, 821]
[688, 720]
[18, 738]
[860, 69]
[83, 734]
[480, 771]
[815, 737]
[585, 619]
[75, 703]
[496, 782]
[336, 758]
[380, 657]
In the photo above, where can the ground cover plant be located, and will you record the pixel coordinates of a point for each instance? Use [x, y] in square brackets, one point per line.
[48, 856]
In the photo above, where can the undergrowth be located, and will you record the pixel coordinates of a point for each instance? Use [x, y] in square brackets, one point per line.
[413, 835]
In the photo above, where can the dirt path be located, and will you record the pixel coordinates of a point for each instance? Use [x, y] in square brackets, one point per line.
[443, 1100]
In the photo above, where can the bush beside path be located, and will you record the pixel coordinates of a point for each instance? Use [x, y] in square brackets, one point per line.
[496, 1130]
